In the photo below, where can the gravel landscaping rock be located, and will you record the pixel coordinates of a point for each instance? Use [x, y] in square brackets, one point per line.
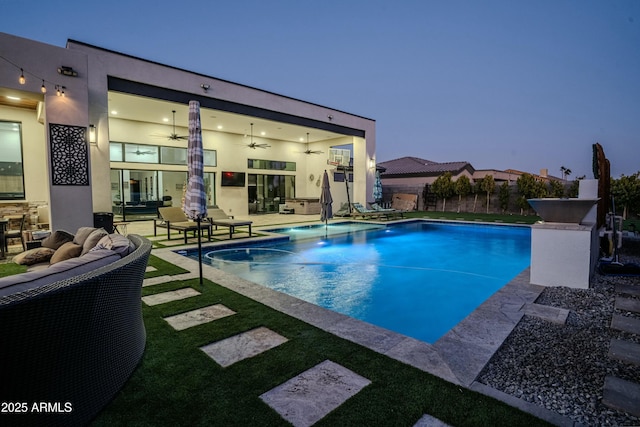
[563, 367]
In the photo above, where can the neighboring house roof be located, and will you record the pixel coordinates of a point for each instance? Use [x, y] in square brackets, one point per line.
[415, 166]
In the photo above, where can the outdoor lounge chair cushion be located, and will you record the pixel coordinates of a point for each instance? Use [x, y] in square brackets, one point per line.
[82, 234]
[34, 256]
[92, 240]
[57, 239]
[67, 251]
[117, 243]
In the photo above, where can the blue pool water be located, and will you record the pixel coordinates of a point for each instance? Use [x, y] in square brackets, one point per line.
[419, 279]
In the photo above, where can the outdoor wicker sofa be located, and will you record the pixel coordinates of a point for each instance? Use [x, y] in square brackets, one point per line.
[68, 347]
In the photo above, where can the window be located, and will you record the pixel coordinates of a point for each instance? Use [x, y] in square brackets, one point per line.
[11, 168]
[271, 165]
[139, 153]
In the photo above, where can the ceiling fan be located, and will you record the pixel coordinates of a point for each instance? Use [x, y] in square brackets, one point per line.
[139, 152]
[255, 145]
[308, 151]
[174, 136]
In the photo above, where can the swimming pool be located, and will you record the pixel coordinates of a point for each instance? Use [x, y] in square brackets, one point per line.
[418, 278]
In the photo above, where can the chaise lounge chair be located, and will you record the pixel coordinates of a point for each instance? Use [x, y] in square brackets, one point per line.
[343, 211]
[218, 217]
[359, 210]
[173, 218]
[388, 212]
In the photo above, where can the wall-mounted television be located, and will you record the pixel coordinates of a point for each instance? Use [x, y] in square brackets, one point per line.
[232, 179]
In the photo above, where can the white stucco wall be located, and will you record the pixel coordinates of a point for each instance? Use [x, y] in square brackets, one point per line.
[70, 205]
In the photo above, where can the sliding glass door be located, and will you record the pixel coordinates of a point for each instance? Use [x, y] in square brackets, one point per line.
[267, 192]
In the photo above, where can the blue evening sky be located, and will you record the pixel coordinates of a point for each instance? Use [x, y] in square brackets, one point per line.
[498, 83]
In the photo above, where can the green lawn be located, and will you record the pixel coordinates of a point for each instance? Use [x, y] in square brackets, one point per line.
[177, 384]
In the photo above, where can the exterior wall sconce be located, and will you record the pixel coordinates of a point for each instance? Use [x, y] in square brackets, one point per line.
[372, 163]
[93, 137]
[205, 87]
[67, 71]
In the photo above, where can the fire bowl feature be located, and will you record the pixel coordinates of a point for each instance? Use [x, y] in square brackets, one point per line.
[562, 210]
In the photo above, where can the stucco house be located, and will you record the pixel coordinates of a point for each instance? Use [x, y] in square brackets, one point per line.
[84, 129]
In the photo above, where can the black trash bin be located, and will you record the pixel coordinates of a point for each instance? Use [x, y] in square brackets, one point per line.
[103, 220]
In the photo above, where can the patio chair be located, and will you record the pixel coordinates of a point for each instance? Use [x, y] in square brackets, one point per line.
[173, 218]
[16, 234]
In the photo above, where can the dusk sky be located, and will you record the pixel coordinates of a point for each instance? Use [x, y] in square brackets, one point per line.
[498, 83]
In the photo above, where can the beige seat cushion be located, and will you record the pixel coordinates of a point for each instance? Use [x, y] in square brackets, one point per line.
[57, 239]
[34, 256]
[67, 251]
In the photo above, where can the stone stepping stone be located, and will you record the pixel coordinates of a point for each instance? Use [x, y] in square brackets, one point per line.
[627, 304]
[626, 351]
[164, 297]
[310, 396]
[243, 346]
[625, 324]
[150, 268]
[625, 288]
[183, 321]
[429, 421]
[548, 313]
[621, 395]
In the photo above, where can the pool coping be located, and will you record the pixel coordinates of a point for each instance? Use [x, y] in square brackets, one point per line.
[457, 357]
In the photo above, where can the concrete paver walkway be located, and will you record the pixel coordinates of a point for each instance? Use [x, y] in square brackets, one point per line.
[308, 397]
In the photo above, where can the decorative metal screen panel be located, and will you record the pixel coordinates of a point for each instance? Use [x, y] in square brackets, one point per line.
[69, 155]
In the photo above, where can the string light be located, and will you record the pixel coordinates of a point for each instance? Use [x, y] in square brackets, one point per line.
[43, 88]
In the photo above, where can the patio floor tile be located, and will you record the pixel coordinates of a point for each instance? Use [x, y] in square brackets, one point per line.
[308, 397]
[200, 316]
[242, 346]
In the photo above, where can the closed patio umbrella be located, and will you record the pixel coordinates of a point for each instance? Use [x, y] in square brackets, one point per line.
[326, 211]
[195, 201]
[377, 188]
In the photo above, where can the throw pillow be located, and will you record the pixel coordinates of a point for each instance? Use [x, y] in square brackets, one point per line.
[67, 251]
[57, 239]
[34, 256]
[93, 240]
[82, 234]
[116, 242]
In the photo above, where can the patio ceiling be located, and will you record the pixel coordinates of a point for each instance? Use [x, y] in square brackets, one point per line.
[149, 110]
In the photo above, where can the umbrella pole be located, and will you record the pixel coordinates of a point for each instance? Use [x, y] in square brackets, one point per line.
[199, 249]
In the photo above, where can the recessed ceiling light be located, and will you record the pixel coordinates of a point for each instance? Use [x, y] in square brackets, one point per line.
[165, 119]
[263, 133]
[219, 126]
[114, 112]
[300, 139]
[14, 98]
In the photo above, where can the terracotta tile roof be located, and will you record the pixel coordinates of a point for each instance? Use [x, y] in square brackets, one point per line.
[417, 166]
